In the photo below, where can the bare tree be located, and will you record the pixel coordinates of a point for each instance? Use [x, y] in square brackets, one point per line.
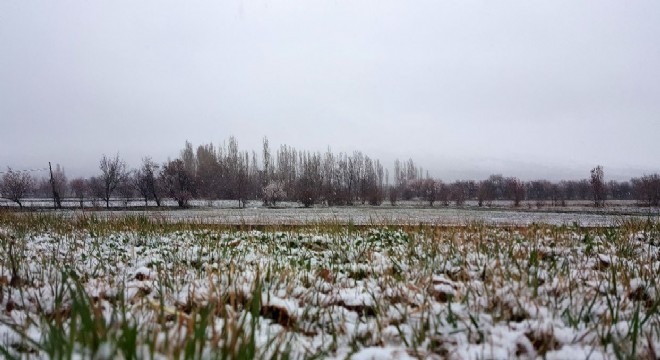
[147, 183]
[242, 180]
[375, 179]
[188, 158]
[458, 192]
[273, 192]
[598, 185]
[557, 195]
[126, 191]
[178, 182]
[647, 189]
[268, 163]
[486, 192]
[79, 188]
[113, 173]
[286, 159]
[15, 185]
[515, 190]
[208, 173]
[96, 189]
[393, 194]
[309, 183]
[444, 193]
[430, 190]
[540, 191]
[42, 188]
[619, 190]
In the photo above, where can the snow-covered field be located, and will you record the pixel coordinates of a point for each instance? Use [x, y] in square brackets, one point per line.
[367, 215]
[129, 288]
[405, 213]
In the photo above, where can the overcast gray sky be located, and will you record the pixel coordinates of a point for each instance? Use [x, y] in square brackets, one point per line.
[466, 88]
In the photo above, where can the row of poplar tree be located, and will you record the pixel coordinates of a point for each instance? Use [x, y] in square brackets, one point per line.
[288, 174]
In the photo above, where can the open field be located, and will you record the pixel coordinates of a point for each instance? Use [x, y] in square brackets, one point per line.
[225, 212]
[375, 216]
[137, 287]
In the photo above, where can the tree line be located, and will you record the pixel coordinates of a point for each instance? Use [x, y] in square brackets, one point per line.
[310, 178]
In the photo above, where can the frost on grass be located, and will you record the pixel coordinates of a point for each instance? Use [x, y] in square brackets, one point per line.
[474, 292]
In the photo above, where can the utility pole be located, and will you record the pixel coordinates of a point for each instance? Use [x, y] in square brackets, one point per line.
[56, 194]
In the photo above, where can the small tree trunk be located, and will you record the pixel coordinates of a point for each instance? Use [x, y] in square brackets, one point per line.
[56, 194]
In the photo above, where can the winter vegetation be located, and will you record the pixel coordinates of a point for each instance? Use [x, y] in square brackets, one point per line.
[460, 180]
[308, 178]
[337, 257]
[136, 287]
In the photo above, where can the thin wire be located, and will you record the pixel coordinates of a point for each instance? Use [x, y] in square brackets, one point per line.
[26, 170]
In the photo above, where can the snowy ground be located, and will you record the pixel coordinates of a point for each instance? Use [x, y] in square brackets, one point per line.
[405, 213]
[477, 292]
[367, 215]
